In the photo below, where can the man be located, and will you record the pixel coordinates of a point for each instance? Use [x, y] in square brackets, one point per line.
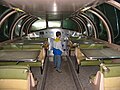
[57, 51]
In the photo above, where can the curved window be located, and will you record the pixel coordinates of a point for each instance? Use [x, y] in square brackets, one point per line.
[83, 21]
[4, 30]
[4, 33]
[90, 29]
[17, 29]
[69, 24]
[113, 15]
[39, 24]
[102, 32]
[3, 9]
[54, 24]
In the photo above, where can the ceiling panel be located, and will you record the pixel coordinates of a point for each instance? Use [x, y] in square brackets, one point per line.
[53, 7]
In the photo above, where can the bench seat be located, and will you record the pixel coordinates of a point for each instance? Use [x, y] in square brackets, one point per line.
[108, 78]
[14, 77]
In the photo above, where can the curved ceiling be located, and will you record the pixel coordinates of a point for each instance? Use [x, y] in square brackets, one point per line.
[55, 9]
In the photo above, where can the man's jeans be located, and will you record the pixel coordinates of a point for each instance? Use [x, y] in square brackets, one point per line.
[57, 61]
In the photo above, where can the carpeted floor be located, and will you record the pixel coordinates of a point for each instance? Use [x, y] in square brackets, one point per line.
[59, 81]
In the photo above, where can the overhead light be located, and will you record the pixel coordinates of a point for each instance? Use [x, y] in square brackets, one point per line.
[54, 7]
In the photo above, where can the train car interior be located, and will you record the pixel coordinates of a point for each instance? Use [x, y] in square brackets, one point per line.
[90, 37]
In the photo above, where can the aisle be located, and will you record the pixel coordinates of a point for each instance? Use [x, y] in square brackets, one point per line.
[59, 81]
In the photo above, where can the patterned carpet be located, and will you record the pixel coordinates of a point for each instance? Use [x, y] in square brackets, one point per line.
[59, 81]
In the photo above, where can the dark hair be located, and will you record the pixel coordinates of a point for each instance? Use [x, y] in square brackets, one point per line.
[58, 33]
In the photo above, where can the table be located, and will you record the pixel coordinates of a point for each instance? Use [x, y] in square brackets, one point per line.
[85, 41]
[29, 42]
[105, 53]
[22, 55]
[13, 46]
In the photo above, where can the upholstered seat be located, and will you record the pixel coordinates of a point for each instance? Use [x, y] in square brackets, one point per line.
[79, 55]
[108, 78]
[16, 78]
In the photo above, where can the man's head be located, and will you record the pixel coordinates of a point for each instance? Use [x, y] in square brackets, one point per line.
[58, 34]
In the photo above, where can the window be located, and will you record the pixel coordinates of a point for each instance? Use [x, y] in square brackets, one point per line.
[54, 23]
[40, 24]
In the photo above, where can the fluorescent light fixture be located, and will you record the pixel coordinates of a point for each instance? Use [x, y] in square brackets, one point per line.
[54, 7]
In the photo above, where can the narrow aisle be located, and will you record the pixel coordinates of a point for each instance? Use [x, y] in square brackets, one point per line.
[59, 81]
[84, 73]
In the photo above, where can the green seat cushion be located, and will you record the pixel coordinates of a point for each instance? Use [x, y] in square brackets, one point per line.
[113, 64]
[14, 72]
[89, 62]
[114, 70]
[93, 62]
[31, 46]
[8, 63]
[10, 46]
[31, 64]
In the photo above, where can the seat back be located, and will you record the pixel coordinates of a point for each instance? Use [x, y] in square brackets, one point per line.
[14, 78]
[108, 79]
[42, 56]
[112, 77]
[79, 55]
